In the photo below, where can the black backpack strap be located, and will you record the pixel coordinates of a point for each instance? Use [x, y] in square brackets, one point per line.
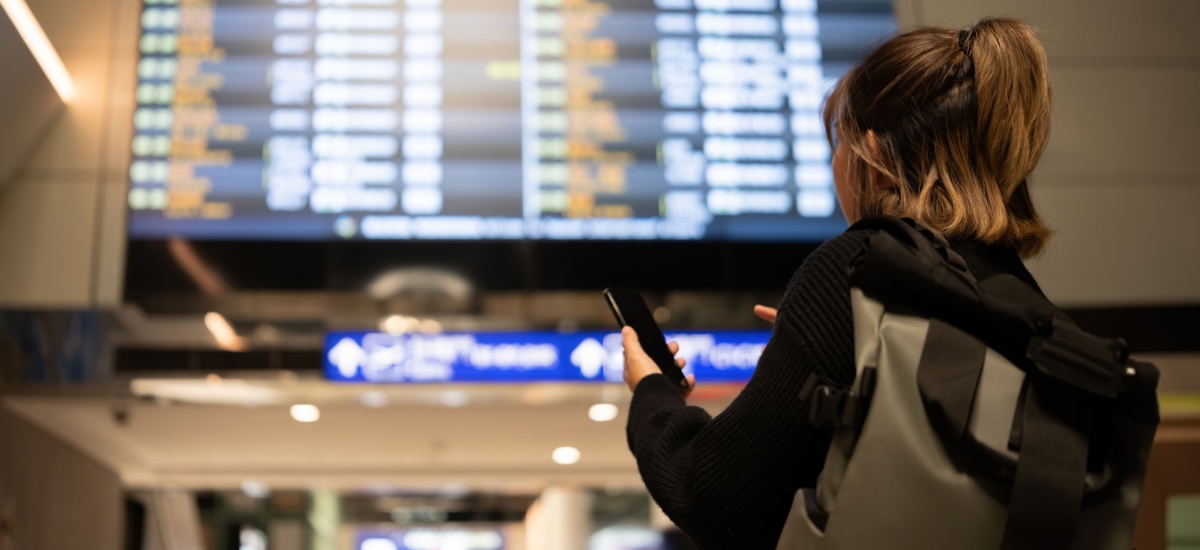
[1047, 494]
[948, 377]
[912, 233]
[1073, 370]
[1059, 348]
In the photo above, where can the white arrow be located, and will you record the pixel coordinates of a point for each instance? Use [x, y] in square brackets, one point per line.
[589, 357]
[348, 356]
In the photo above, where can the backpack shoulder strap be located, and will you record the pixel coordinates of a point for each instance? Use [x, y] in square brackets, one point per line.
[913, 233]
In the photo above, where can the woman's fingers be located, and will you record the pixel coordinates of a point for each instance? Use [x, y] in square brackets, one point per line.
[674, 347]
[638, 365]
[765, 313]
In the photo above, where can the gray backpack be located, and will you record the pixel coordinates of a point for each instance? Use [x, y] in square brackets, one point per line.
[980, 416]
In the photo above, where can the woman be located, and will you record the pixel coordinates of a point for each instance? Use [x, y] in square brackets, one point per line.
[939, 125]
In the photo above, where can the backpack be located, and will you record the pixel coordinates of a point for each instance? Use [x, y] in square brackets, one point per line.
[980, 416]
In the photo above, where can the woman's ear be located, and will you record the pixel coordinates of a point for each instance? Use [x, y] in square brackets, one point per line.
[878, 179]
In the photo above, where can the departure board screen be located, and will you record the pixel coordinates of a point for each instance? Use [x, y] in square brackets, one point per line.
[490, 119]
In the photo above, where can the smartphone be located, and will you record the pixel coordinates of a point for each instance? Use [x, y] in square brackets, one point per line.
[631, 311]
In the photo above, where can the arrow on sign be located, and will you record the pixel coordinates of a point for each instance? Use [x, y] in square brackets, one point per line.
[347, 356]
[589, 357]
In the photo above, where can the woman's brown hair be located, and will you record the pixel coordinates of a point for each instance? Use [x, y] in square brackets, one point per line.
[960, 119]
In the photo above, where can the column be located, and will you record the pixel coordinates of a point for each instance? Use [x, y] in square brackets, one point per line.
[560, 519]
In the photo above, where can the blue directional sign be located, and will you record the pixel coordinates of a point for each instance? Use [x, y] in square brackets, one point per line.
[524, 357]
[431, 539]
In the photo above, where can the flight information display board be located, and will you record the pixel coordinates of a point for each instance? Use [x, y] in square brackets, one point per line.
[490, 119]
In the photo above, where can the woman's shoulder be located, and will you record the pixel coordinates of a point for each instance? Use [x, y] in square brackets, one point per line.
[833, 256]
[815, 311]
[823, 274]
[843, 246]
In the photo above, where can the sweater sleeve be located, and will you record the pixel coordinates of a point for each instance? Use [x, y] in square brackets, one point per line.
[729, 481]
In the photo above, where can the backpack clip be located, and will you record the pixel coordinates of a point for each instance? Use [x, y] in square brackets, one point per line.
[1093, 364]
[833, 407]
[826, 407]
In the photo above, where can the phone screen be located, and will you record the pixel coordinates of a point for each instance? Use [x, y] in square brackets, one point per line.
[630, 310]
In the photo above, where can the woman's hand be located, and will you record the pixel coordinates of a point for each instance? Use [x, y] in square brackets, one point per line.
[766, 313]
[638, 365]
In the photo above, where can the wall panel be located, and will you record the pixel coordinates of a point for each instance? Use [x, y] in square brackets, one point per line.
[63, 499]
[1121, 244]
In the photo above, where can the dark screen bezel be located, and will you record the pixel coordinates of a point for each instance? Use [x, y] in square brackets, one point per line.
[489, 265]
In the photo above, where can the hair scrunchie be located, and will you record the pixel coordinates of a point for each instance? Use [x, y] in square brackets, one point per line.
[968, 68]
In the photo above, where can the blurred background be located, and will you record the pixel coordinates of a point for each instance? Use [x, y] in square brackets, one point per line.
[326, 274]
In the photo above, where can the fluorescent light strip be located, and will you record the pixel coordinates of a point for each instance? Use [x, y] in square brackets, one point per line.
[39, 44]
[222, 331]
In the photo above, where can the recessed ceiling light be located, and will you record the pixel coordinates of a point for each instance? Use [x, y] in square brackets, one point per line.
[306, 413]
[565, 455]
[603, 412]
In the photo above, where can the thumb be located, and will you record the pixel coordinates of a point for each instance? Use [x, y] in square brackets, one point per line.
[765, 313]
[629, 336]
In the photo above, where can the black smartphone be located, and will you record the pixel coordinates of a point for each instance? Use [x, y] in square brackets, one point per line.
[631, 311]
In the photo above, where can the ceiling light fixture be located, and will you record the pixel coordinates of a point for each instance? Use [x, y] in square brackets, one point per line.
[223, 332]
[603, 412]
[305, 413]
[202, 274]
[430, 326]
[398, 324]
[565, 455]
[39, 45]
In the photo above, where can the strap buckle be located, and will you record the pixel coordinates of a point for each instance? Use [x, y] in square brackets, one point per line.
[1093, 364]
[826, 407]
[833, 407]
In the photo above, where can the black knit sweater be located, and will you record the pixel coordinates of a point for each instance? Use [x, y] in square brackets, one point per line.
[729, 481]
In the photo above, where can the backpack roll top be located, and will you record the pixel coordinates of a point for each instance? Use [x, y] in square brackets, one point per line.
[981, 416]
